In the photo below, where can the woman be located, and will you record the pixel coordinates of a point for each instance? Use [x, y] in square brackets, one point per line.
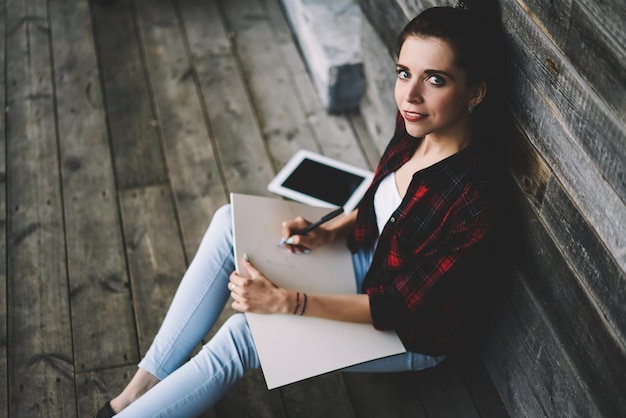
[419, 237]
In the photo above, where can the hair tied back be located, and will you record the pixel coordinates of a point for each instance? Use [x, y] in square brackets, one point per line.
[464, 5]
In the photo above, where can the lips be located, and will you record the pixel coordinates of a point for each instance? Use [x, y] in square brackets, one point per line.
[413, 116]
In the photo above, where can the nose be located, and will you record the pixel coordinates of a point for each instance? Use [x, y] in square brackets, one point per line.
[413, 93]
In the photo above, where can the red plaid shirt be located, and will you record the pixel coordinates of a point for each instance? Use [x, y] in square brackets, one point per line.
[425, 275]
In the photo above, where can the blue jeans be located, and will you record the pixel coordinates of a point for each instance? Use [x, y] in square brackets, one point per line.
[189, 388]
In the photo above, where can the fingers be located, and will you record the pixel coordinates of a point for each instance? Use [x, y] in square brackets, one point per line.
[297, 244]
[303, 243]
[252, 271]
[294, 225]
[236, 279]
[298, 248]
[239, 285]
[235, 291]
[236, 285]
[253, 294]
[289, 228]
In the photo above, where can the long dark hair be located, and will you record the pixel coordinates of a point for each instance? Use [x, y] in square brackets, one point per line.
[473, 29]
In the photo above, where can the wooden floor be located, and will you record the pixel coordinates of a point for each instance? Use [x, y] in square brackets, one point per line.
[126, 126]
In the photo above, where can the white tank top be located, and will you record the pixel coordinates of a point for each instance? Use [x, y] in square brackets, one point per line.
[386, 200]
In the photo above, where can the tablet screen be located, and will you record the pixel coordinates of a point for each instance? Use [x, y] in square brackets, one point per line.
[317, 180]
[323, 182]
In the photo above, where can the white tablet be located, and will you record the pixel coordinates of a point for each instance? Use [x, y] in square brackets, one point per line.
[318, 180]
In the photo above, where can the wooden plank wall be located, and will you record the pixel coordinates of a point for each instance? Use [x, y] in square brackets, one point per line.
[558, 341]
[4, 389]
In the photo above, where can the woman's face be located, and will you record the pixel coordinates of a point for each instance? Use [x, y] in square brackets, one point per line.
[431, 91]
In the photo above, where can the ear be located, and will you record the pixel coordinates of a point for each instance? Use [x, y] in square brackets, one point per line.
[477, 94]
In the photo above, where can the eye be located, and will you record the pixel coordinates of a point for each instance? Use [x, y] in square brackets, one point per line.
[436, 80]
[402, 74]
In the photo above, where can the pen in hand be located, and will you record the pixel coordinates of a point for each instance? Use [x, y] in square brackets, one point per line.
[314, 225]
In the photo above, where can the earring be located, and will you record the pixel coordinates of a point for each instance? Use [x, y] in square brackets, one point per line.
[470, 109]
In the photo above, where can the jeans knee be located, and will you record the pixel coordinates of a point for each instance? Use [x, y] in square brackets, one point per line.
[237, 327]
[223, 214]
[220, 231]
[235, 337]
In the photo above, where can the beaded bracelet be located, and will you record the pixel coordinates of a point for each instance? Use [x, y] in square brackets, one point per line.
[297, 303]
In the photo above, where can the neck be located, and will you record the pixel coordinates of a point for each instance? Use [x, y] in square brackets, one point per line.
[448, 144]
[431, 145]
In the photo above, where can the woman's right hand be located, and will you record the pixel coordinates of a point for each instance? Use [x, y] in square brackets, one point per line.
[319, 236]
[305, 243]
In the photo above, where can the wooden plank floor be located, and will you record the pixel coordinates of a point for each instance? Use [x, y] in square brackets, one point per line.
[127, 124]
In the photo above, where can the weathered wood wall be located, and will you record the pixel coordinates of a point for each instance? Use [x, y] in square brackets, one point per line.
[558, 343]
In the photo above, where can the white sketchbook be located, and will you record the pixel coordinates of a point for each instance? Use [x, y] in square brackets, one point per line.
[293, 348]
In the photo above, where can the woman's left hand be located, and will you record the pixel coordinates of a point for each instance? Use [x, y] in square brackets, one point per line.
[256, 293]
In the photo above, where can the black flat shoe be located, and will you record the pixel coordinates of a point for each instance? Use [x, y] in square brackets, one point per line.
[106, 411]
